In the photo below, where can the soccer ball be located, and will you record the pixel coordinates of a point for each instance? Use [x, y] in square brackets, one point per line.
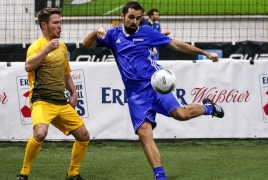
[163, 81]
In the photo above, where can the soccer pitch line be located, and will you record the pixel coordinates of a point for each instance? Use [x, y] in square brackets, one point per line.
[109, 12]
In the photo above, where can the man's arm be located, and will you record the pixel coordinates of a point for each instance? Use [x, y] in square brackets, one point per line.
[70, 87]
[34, 62]
[186, 48]
[166, 33]
[90, 40]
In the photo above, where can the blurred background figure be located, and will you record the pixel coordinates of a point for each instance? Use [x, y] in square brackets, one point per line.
[147, 22]
[153, 19]
[143, 20]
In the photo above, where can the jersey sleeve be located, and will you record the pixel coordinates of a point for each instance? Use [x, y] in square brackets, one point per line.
[33, 50]
[156, 38]
[67, 65]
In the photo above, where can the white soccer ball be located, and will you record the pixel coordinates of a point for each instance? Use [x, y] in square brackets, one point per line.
[163, 81]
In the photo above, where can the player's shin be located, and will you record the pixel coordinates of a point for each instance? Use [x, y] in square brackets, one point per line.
[78, 152]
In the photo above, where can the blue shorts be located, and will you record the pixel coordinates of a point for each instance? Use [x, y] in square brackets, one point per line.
[144, 106]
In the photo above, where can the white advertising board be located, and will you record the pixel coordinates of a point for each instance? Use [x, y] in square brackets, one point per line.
[239, 87]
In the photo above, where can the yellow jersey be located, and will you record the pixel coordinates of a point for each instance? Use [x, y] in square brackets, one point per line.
[47, 82]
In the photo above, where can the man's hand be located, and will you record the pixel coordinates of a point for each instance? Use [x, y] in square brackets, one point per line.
[73, 100]
[101, 32]
[52, 45]
[167, 32]
[155, 51]
[213, 56]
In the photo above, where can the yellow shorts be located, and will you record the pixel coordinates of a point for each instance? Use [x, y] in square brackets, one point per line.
[63, 117]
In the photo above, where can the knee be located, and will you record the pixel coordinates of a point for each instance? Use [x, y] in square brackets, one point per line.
[40, 132]
[86, 136]
[145, 132]
[40, 136]
[180, 114]
[81, 134]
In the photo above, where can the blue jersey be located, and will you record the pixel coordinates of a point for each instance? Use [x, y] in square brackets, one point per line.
[145, 22]
[156, 25]
[134, 56]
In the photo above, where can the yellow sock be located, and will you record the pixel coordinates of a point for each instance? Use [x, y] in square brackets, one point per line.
[78, 153]
[32, 149]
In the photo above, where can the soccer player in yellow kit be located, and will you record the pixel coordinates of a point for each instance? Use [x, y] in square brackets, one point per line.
[49, 74]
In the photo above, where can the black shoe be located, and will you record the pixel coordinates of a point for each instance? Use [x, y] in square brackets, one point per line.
[218, 111]
[22, 177]
[77, 177]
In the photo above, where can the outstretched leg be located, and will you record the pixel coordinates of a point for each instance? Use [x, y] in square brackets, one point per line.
[187, 112]
[194, 110]
[151, 151]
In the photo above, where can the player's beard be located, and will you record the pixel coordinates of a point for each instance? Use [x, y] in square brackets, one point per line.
[131, 29]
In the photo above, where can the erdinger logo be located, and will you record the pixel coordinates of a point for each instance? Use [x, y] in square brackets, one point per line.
[114, 96]
[23, 97]
[264, 95]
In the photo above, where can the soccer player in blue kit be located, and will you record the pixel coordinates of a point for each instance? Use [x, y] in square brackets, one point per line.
[153, 19]
[131, 45]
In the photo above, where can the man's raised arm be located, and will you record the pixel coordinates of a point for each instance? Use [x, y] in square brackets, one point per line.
[90, 40]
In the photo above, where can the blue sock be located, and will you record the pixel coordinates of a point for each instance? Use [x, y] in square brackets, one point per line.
[159, 173]
[209, 109]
